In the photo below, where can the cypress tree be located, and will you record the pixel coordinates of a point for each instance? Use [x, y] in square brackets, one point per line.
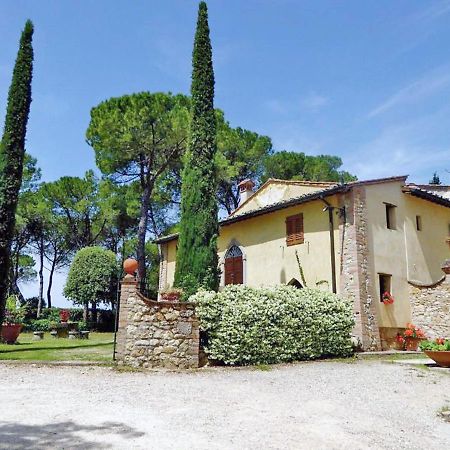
[12, 151]
[197, 259]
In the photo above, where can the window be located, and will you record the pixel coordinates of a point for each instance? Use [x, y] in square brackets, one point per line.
[390, 216]
[418, 223]
[294, 230]
[385, 284]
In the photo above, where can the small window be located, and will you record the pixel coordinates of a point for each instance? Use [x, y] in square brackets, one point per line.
[390, 216]
[418, 223]
[294, 230]
[385, 284]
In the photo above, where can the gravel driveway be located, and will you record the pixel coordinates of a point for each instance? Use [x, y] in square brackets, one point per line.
[314, 405]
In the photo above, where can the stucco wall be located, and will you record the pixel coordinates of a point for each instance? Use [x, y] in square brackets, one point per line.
[276, 191]
[267, 258]
[426, 249]
[404, 253]
[387, 252]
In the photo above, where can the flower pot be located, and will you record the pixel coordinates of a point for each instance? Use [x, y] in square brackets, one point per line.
[411, 344]
[10, 332]
[441, 358]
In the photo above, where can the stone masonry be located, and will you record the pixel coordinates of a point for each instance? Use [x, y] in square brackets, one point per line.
[430, 306]
[355, 271]
[156, 333]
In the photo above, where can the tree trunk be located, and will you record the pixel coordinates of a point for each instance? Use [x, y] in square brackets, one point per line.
[94, 313]
[50, 283]
[41, 276]
[86, 312]
[142, 230]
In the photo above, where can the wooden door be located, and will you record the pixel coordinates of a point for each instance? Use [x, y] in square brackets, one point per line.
[234, 266]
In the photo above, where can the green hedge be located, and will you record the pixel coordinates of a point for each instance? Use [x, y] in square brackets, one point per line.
[270, 325]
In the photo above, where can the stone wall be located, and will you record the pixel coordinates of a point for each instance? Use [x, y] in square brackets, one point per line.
[355, 274]
[430, 307]
[156, 334]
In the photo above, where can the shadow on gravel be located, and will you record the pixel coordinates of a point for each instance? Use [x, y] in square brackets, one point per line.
[60, 435]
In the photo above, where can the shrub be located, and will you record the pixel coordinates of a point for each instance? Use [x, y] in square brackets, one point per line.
[246, 325]
[41, 325]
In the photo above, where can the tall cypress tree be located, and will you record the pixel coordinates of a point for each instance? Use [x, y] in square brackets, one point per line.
[12, 151]
[197, 247]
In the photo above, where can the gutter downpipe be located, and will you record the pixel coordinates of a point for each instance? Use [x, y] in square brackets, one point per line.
[330, 210]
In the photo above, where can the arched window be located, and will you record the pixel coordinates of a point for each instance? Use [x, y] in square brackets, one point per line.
[234, 267]
[295, 283]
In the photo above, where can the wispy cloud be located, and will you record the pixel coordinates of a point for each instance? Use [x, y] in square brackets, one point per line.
[314, 101]
[420, 89]
[432, 11]
[417, 147]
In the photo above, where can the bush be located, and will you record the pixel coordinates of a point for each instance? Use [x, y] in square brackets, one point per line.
[270, 325]
[41, 325]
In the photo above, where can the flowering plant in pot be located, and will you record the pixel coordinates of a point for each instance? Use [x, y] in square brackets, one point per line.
[412, 337]
[12, 323]
[171, 294]
[438, 350]
[387, 298]
[64, 315]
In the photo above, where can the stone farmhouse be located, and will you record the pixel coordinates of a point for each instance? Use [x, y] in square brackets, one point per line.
[359, 239]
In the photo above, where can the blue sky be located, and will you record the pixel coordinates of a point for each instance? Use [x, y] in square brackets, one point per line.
[366, 80]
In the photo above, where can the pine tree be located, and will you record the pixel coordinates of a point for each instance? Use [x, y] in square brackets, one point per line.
[197, 261]
[12, 151]
[435, 179]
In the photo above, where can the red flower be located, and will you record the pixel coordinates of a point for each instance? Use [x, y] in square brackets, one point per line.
[409, 332]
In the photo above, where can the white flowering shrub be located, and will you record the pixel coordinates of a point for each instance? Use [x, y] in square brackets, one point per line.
[247, 325]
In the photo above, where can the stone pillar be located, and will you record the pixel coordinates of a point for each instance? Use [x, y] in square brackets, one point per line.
[156, 333]
[356, 282]
[128, 289]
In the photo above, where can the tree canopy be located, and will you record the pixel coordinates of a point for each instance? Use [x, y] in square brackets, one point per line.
[286, 165]
[12, 152]
[197, 260]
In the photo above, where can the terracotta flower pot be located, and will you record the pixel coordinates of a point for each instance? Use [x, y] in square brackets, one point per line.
[10, 332]
[441, 358]
[411, 344]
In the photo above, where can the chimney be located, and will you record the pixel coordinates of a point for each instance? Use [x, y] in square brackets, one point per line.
[245, 190]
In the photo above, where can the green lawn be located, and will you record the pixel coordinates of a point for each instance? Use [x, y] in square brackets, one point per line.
[99, 347]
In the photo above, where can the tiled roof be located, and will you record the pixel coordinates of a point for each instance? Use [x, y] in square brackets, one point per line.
[329, 189]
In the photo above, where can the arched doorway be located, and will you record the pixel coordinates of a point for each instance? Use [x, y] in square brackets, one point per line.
[295, 283]
[234, 266]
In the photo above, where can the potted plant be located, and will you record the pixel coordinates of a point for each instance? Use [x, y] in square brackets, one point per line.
[387, 298]
[412, 337]
[171, 294]
[64, 315]
[438, 351]
[12, 324]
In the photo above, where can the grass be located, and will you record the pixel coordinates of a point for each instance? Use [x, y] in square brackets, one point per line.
[99, 347]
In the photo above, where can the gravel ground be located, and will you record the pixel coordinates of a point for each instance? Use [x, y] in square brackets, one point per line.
[315, 405]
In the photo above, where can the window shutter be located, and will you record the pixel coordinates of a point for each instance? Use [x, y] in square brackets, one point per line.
[294, 230]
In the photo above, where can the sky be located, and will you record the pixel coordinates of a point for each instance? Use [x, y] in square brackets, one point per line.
[368, 81]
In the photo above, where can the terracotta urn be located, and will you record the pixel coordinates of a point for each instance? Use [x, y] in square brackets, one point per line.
[10, 332]
[440, 358]
[130, 265]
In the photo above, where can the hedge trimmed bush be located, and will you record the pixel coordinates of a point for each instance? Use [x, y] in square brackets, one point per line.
[246, 325]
